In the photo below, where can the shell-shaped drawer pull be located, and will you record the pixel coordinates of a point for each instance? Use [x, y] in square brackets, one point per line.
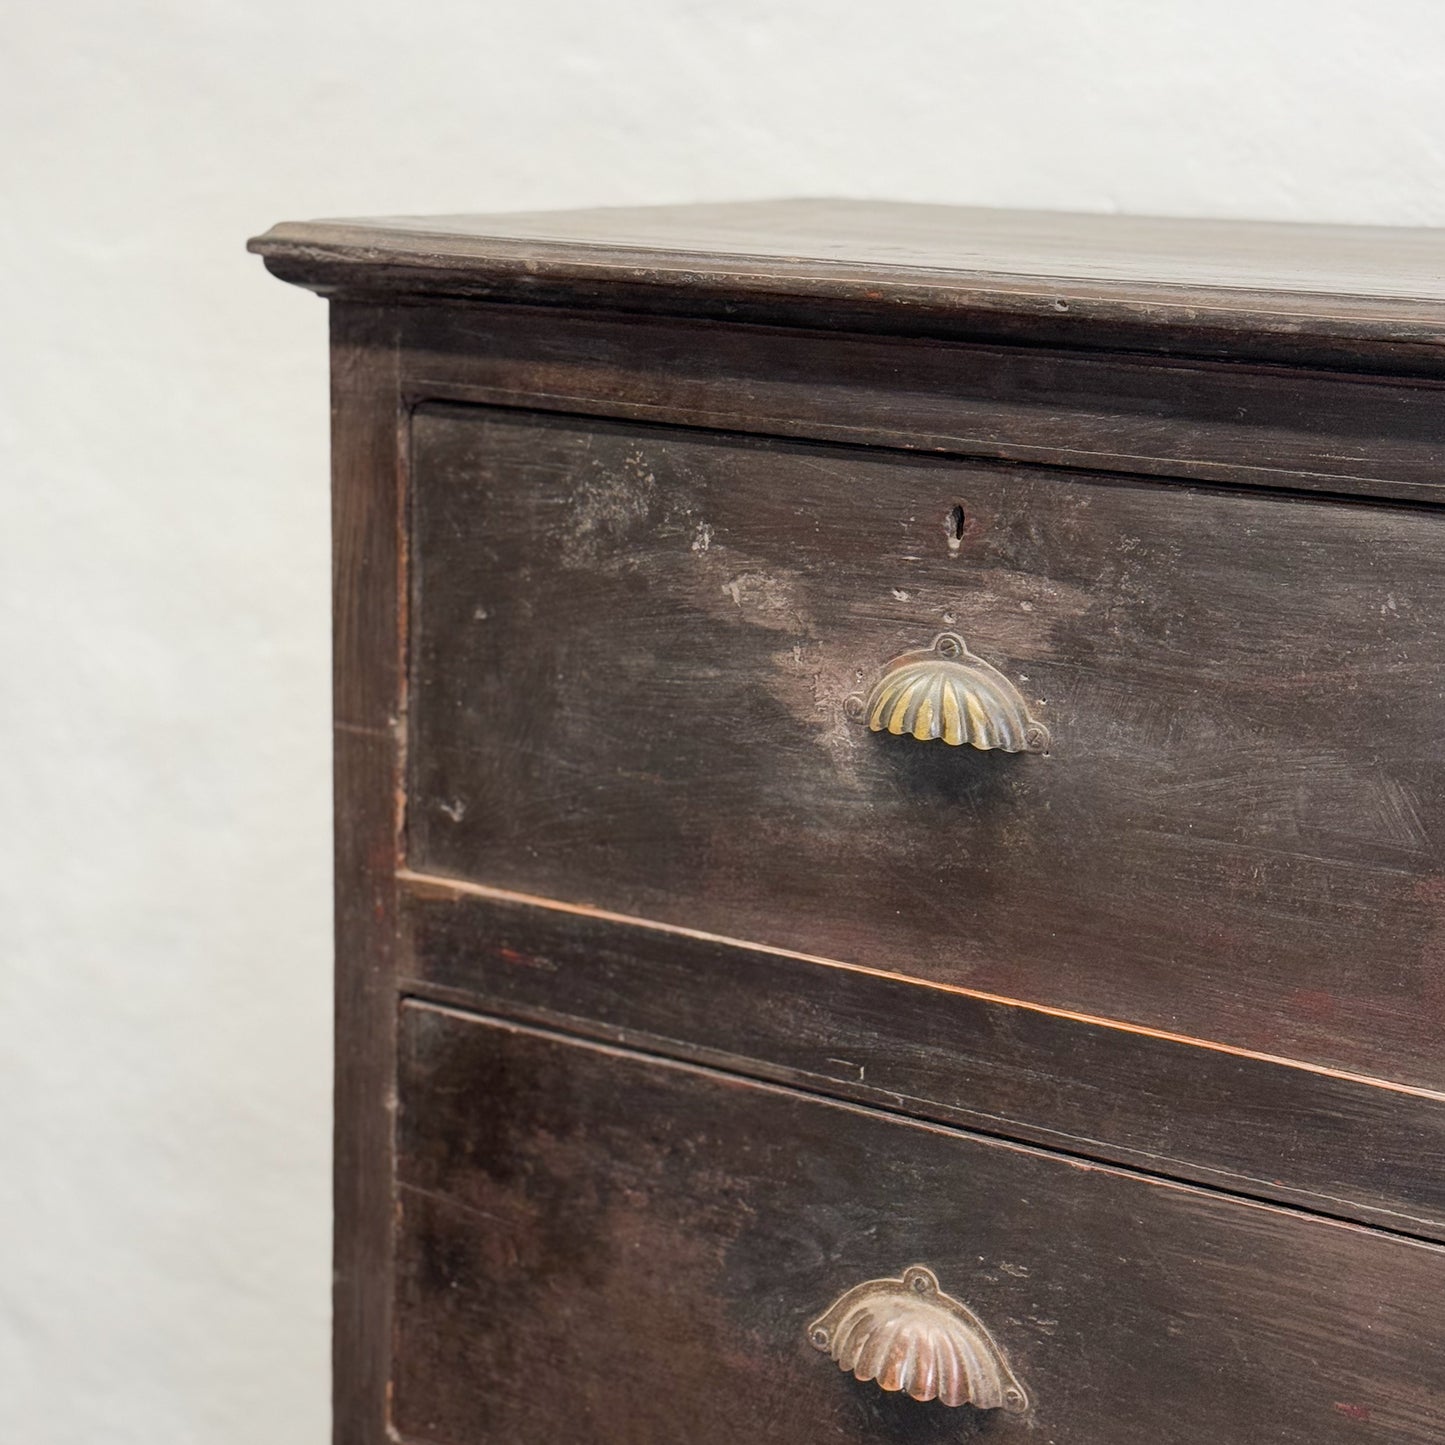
[909, 1336]
[944, 691]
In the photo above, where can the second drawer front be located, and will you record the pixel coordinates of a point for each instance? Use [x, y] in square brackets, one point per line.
[632, 654]
[597, 1247]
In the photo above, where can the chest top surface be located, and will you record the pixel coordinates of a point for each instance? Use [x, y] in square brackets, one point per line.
[1031, 275]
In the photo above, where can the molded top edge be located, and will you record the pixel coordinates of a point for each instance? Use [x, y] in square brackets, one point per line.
[824, 261]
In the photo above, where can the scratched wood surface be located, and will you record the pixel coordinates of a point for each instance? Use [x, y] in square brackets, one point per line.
[1334, 1143]
[595, 1247]
[631, 649]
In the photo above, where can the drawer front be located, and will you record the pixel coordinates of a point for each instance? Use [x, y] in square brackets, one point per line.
[595, 1246]
[632, 656]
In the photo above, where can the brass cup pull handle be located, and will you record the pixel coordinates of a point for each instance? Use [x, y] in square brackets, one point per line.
[944, 691]
[908, 1336]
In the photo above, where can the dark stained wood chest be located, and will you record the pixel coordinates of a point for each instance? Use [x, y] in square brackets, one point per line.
[890, 813]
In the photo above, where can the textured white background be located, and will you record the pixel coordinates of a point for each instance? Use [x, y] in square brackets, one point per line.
[164, 913]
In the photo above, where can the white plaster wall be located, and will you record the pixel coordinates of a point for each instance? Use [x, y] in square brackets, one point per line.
[164, 885]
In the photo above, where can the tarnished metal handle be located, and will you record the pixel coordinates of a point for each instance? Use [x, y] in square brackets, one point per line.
[909, 1336]
[944, 691]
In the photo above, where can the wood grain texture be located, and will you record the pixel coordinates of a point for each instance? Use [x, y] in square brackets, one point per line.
[368, 698]
[632, 647]
[1287, 292]
[1338, 1145]
[597, 1247]
[1170, 417]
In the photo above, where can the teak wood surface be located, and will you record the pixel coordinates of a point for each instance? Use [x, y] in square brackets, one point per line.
[1267, 397]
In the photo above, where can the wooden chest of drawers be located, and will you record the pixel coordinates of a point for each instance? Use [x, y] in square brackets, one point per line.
[727, 1049]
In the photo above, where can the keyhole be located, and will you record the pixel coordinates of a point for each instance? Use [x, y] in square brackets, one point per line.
[953, 525]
